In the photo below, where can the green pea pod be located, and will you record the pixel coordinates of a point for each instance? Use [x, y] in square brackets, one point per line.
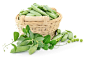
[64, 38]
[55, 13]
[29, 14]
[58, 37]
[39, 10]
[24, 13]
[20, 49]
[32, 49]
[52, 15]
[58, 31]
[65, 32]
[35, 13]
[20, 43]
[20, 14]
[39, 6]
[68, 31]
[70, 35]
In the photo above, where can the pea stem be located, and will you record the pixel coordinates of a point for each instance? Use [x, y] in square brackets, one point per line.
[7, 45]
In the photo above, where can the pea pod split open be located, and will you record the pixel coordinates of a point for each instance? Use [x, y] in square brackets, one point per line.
[64, 37]
[70, 35]
[58, 37]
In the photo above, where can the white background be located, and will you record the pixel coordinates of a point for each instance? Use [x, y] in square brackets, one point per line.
[74, 19]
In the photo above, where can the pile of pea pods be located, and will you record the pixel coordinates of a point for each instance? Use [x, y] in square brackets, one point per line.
[31, 42]
[66, 36]
[39, 10]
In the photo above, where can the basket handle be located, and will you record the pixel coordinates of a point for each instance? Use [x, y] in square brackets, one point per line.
[43, 19]
[24, 18]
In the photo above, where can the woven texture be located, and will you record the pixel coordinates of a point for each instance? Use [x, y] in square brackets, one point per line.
[39, 24]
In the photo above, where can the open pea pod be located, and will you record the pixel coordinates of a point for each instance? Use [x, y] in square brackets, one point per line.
[20, 49]
[70, 35]
[65, 32]
[64, 38]
[58, 37]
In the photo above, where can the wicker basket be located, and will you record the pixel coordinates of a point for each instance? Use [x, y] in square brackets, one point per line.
[39, 24]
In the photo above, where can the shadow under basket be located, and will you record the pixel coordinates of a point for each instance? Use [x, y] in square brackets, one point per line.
[39, 24]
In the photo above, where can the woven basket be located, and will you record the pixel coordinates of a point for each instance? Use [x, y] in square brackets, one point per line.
[39, 24]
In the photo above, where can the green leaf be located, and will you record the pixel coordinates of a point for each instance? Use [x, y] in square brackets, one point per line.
[14, 46]
[37, 35]
[53, 42]
[45, 47]
[34, 42]
[38, 48]
[32, 49]
[30, 43]
[31, 34]
[23, 35]
[47, 39]
[24, 30]
[28, 34]
[27, 28]
[51, 46]
[40, 44]
[27, 38]
[39, 38]
[16, 35]
[18, 42]
[23, 43]
[21, 39]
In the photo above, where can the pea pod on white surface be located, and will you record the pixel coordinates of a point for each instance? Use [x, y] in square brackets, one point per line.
[58, 37]
[70, 35]
[20, 49]
[64, 38]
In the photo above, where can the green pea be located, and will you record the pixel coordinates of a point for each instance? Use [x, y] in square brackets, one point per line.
[72, 40]
[20, 49]
[32, 49]
[81, 40]
[75, 36]
[68, 41]
[77, 39]
[70, 35]
[64, 37]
